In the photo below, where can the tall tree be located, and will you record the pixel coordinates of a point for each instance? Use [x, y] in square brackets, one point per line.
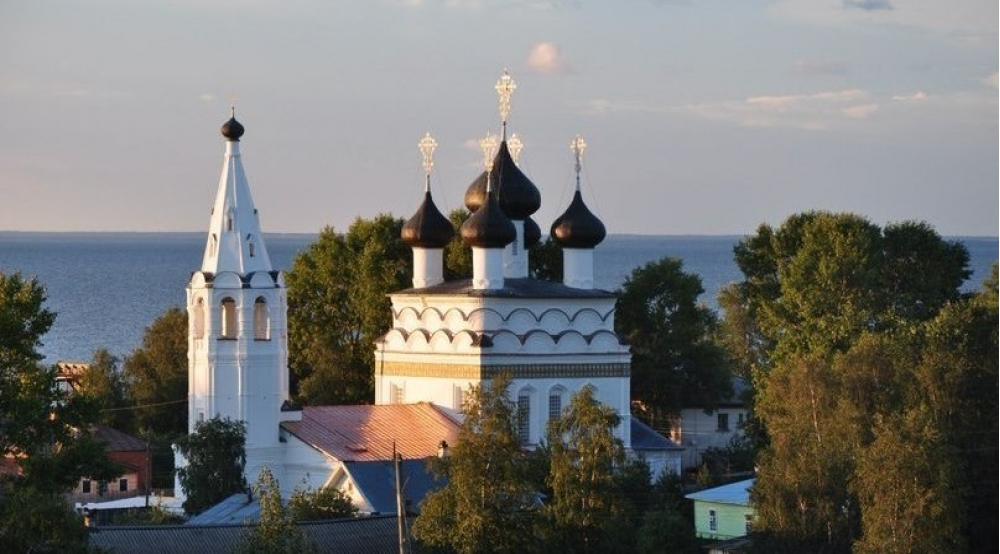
[458, 255]
[42, 429]
[827, 322]
[106, 384]
[157, 374]
[337, 308]
[585, 457]
[216, 457]
[675, 359]
[487, 504]
[276, 531]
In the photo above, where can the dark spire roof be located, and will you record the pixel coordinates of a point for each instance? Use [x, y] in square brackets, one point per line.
[519, 197]
[489, 227]
[428, 228]
[532, 233]
[232, 129]
[577, 227]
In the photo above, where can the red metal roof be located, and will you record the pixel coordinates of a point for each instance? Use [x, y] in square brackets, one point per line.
[117, 441]
[367, 432]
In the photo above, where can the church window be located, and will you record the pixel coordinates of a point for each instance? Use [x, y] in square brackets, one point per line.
[555, 403]
[214, 245]
[458, 398]
[524, 418]
[199, 319]
[398, 393]
[250, 245]
[261, 321]
[228, 318]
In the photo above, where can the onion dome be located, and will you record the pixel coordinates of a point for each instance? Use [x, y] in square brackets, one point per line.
[232, 129]
[532, 233]
[428, 228]
[577, 227]
[519, 197]
[489, 227]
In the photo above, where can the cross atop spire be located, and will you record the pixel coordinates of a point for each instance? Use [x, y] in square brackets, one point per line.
[427, 146]
[489, 147]
[232, 105]
[577, 145]
[505, 88]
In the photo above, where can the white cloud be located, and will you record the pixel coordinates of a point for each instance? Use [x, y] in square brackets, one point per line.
[546, 57]
[990, 80]
[860, 112]
[919, 96]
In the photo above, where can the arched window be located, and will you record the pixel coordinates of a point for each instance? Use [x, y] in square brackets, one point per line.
[228, 319]
[261, 321]
[199, 319]
[556, 395]
[524, 416]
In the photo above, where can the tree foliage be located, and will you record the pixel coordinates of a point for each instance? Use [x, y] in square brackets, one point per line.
[675, 360]
[837, 322]
[337, 308]
[157, 376]
[487, 504]
[216, 458]
[276, 531]
[44, 431]
[106, 384]
[325, 503]
[585, 455]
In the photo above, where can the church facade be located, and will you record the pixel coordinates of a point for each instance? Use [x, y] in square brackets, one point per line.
[552, 338]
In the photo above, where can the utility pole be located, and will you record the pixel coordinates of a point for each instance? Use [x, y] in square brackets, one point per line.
[397, 461]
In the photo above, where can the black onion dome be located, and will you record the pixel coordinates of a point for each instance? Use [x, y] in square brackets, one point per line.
[489, 227]
[532, 233]
[519, 197]
[428, 228]
[577, 227]
[232, 129]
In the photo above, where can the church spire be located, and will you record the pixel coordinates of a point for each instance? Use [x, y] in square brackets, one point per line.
[234, 240]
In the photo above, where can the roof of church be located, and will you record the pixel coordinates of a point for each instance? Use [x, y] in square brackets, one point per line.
[518, 196]
[489, 226]
[513, 288]
[578, 227]
[368, 432]
[428, 228]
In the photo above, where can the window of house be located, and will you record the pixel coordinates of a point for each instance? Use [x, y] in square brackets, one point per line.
[748, 522]
[739, 419]
[261, 321]
[713, 521]
[199, 319]
[85, 486]
[123, 485]
[524, 418]
[555, 405]
[723, 422]
[228, 330]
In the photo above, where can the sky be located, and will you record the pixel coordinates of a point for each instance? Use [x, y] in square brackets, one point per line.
[700, 117]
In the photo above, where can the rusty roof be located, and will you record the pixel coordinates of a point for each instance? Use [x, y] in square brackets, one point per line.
[367, 432]
[117, 441]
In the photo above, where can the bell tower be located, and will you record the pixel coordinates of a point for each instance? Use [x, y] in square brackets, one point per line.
[237, 319]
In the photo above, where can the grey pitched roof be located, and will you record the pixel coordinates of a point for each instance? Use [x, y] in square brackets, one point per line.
[645, 437]
[363, 535]
[237, 509]
[737, 493]
[376, 480]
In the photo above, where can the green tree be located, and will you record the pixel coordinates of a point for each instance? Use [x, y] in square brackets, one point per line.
[487, 504]
[675, 360]
[43, 430]
[276, 531]
[585, 453]
[458, 255]
[107, 386]
[828, 323]
[325, 503]
[545, 261]
[337, 308]
[216, 458]
[157, 376]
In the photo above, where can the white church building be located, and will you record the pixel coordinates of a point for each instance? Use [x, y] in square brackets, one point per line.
[446, 336]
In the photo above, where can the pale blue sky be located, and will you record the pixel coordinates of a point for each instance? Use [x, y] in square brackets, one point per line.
[701, 117]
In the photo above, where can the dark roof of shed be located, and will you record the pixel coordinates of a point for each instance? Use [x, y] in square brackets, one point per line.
[117, 441]
[376, 480]
[645, 437]
[512, 288]
[362, 535]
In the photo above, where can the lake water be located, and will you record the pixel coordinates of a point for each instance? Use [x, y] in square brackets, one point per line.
[107, 287]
